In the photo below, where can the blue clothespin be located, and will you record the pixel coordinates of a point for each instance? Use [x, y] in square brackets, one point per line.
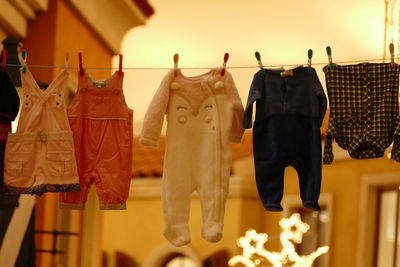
[24, 55]
[309, 54]
[258, 57]
[329, 52]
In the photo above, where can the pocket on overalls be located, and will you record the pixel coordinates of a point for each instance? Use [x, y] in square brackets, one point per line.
[15, 163]
[59, 162]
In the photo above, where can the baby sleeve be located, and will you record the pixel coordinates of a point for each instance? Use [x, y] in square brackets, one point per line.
[254, 94]
[154, 117]
[322, 100]
[237, 128]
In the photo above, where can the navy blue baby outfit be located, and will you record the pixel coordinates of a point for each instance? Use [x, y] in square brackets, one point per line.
[286, 132]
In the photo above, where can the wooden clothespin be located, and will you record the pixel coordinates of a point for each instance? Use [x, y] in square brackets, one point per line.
[81, 71]
[329, 52]
[4, 60]
[226, 57]
[310, 55]
[258, 57]
[66, 63]
[176, 60]
[24, 55]
[120, 65]
[391, 49]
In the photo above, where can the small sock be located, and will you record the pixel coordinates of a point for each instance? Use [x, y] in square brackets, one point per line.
[311, 205]
[277, 207]
[177, 235]
[212, 232]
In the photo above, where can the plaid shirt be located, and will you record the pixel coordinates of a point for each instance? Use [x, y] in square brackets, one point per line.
[364, 110]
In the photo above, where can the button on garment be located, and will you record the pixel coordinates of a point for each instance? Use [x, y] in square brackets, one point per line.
[40, 156]
[364, 110]
[103, 136]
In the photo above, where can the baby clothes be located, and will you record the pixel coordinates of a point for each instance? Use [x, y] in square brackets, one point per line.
[9, 106]
[289, 113]
[364, 110]
[40, 156]
[103, 136]
[204, 113]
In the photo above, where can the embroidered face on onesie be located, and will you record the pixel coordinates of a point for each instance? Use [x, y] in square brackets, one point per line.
[192, 106]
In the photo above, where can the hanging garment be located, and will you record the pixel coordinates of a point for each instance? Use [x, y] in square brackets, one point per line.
[364, 110]
[9, 106]
[289, 114]
[204, 113]
[103, 136]
[40, 156]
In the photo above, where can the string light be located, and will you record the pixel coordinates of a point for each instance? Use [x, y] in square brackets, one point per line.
[293, 230]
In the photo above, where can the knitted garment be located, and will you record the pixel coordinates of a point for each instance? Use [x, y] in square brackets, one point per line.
[290, 110]
[40, 156]
[102, 125]
[364, 110]
[204, 113]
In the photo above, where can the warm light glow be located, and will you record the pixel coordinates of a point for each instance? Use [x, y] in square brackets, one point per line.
[392, 24]
[292, 231]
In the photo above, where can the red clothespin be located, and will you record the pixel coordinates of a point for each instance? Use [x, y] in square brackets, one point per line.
[391, 49]
[4, 60]
[66, 62]
[81, 72]
[176, 59]
[120, 65]
[226, 57]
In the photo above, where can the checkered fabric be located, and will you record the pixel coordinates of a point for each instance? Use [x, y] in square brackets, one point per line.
[364, 110]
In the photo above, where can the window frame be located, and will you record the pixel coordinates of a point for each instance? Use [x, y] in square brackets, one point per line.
[290, 202]
[367, 219]
[380, 192]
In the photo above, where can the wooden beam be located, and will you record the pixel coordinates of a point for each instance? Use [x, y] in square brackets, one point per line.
[12, 20]
[38, 5]
[23, 8]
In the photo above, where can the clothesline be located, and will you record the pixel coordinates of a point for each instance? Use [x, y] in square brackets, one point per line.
[198, 68]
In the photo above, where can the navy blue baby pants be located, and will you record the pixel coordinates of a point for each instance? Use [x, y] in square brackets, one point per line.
[289, 113]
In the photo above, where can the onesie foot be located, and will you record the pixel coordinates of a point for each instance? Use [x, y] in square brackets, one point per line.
[311, 205]
[212, 232]
[178, 235]
[273, 207]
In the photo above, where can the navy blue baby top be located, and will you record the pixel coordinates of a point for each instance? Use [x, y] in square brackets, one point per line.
[300, 94]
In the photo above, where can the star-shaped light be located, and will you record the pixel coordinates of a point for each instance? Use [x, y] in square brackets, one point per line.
[294, 221]
[292, 231]
[252, 236]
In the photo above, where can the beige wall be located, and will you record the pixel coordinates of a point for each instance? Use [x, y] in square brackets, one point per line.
[282, 31]
[138, 230]
[342, 179]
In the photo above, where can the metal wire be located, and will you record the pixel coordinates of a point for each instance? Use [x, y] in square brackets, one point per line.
[194, 68]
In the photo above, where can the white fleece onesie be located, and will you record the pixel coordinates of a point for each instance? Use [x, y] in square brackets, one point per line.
[204, 113]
